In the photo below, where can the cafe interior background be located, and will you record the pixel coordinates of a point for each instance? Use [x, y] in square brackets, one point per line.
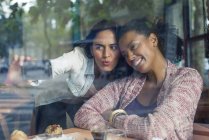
[45, 29]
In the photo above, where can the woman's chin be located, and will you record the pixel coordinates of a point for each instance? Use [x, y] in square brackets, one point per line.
[140, 69]
[106, 70]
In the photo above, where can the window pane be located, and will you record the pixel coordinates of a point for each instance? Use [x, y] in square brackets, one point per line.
[198, 19]
[199, 61]
[43, 30]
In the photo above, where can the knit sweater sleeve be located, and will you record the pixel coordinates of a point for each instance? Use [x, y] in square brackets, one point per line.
[89, 115]
[173, 118]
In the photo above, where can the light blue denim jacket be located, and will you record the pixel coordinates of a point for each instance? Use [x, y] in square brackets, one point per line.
[80, 76]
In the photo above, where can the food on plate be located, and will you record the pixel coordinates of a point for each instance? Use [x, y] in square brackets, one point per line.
[54, 130]
[18, 135]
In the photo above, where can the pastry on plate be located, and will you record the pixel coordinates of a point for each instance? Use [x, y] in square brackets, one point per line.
[54, 130]
[18, 135]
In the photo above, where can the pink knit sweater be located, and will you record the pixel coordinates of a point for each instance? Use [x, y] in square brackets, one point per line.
[173, 117]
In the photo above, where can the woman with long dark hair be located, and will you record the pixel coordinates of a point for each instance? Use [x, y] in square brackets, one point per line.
[158, 101]
[92, 64]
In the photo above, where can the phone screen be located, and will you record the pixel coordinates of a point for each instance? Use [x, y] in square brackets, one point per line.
[36, 70]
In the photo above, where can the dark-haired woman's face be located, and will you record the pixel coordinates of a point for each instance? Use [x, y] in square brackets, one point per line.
[138, 50]
[105, 51]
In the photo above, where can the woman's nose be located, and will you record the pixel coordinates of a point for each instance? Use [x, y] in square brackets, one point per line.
[106, 53]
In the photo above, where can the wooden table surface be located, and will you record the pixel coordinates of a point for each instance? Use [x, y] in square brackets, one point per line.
[79, 134]
[201, 132]
[82, 134]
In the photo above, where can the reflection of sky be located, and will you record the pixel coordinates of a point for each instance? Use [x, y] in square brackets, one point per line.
[5, 5]
[28, 5]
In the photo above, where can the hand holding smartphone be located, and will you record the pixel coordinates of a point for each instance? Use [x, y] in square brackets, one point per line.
[36, 70]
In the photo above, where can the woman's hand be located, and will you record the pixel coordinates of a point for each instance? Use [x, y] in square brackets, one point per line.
[14, 72]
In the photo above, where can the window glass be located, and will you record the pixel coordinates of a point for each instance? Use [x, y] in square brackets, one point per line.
[197, 17]
[200, 62]
[43, 30]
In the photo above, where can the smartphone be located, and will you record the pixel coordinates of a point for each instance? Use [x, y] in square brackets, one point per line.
[36, 70]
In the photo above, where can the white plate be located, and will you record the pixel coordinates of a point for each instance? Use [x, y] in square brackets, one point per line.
[44, 137]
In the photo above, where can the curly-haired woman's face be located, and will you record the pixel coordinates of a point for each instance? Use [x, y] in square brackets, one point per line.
[105, 51]
[138, 50]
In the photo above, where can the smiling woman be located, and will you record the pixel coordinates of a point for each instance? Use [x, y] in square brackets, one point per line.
[158, 101]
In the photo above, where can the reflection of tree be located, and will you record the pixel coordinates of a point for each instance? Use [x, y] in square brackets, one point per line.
[49, 10]
[74, 16]
[82, 14]
[198, 50]
[10, 27]
[120, 10]
[207, 8]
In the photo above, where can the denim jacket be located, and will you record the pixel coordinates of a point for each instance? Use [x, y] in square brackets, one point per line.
[79, 76]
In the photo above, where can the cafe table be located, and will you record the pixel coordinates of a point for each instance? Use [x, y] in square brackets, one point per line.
[200, 131]
[78, 134]
[82, 134]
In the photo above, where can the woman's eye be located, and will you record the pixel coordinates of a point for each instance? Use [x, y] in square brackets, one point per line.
[134, 46]
[98, 47]
[114, 47]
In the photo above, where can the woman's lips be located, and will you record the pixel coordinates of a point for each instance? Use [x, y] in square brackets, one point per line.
[106, 63]
[137, 62]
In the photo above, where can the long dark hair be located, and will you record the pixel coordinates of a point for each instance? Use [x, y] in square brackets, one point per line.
[122, 68]
[98, 27]
[159, 28]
